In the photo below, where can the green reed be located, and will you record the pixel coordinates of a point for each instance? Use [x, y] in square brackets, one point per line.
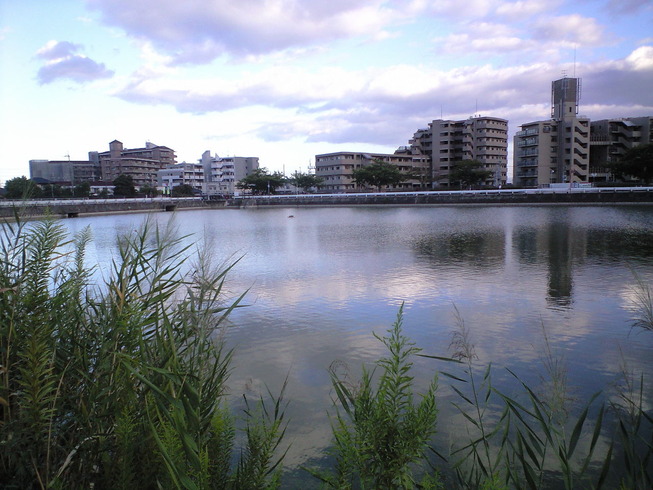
[121, 385]
[381, 432]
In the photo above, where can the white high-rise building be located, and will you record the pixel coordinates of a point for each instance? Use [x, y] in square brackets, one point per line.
[222, 173]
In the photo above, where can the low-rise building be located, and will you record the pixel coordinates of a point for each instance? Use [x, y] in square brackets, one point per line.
[64, 172]
[337, 169]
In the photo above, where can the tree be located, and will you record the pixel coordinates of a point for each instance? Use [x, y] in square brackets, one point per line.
[260, 181]
[148, 190]
[50, 190]
[468, 173]
[183, 190]
[83, 189]
[637, 162]
[123, 186]
[305, 181]
[379, 174]
[21, 188]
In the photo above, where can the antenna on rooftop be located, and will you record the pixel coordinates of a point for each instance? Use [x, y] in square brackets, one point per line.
[67, 155]
[574, 61]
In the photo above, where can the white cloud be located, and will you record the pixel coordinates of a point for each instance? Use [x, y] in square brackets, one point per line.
[523, 9]
[572, 29]
[641, 58]
[472, 9]
[195, 31]
[385, 105]
[57, 50]
[63, 62]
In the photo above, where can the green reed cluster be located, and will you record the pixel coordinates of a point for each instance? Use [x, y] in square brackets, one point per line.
[382, 433]
[123, 384]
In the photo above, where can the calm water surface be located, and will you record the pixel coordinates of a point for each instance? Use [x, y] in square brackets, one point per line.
[320, 283]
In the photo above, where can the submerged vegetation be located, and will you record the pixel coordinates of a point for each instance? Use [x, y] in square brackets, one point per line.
[124, 385]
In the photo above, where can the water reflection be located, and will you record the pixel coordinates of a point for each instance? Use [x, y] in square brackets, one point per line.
[561, 244]
[321, 283]
[476, 249]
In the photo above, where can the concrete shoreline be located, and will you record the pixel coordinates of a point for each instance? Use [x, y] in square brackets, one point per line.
[526, 197]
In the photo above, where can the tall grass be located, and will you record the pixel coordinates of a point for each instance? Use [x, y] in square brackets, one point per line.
[535, 439]
[381, 432]
[121, 385]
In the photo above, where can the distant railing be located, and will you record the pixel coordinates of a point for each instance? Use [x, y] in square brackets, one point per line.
[60, 202]
[573, 188]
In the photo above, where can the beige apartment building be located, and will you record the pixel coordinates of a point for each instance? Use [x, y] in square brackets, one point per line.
[336, 170]
[142, 164]
[484, 139]
[555, 151]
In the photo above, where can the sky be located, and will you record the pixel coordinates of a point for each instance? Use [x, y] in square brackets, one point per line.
[284, 80]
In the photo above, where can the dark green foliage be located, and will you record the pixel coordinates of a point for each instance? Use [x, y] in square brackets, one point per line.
[379, 174]
[123, 186]
[260, 181]
[21, 188]
[118, 385]
[382, 434]
[306, 182]
[148, 190]
[82, 190]
[183, 190]
[637, 162]
[468, 173]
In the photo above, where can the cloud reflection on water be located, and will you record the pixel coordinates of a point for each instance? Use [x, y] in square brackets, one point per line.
[324, 281]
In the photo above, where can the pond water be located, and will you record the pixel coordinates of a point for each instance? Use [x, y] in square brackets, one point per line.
[320, 282]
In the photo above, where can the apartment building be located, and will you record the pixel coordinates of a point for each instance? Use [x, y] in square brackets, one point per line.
[65, 172]
[484, 139]
[142, 164]
[556, 150]
[222, 173]
[610, 139]
[181, 174]
[337, 169]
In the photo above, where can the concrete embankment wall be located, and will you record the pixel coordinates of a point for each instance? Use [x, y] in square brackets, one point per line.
[81, 207]
[75, 208]
[642, 195]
